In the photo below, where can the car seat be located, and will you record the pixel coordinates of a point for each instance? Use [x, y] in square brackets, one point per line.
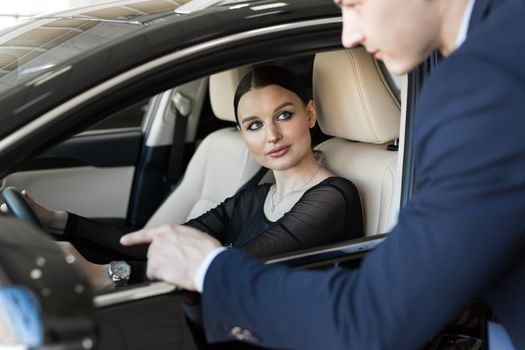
[356, 105]
[220, 166]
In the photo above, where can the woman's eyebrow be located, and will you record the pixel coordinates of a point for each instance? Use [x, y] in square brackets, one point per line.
[287, 103]
[250, 118]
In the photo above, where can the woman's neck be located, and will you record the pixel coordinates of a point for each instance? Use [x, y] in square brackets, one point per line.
[297, 178]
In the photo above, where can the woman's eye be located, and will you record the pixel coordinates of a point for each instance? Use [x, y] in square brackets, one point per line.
[284, 116]
[254, 126]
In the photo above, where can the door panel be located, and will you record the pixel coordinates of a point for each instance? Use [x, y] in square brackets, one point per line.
[91, 175]
[98, 149]
[87, 191]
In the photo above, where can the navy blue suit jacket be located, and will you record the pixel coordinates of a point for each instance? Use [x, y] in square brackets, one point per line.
[462, 235]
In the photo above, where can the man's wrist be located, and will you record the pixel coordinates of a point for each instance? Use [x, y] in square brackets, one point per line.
[200, 275]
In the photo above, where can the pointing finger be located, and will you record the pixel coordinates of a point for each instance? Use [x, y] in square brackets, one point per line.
[138, 237]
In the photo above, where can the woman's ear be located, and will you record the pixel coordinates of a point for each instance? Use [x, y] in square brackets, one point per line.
[312, 113]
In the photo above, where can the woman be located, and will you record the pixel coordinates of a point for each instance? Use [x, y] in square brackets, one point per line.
[306, 207]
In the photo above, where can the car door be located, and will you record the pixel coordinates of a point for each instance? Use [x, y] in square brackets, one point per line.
[98, 163]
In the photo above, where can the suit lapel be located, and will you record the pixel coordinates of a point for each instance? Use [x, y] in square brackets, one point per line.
[480, 11]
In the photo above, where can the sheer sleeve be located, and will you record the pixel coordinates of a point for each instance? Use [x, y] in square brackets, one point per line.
[102, 239]
[327, 213]
[216, 221]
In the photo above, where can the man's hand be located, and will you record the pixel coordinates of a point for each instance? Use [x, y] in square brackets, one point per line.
[175, 252]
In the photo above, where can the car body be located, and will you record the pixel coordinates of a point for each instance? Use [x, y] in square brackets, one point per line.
[88, 116]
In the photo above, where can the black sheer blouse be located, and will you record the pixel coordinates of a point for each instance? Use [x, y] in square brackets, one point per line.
[326, 213]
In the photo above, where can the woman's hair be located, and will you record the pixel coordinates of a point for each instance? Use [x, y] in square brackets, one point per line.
[263, 76]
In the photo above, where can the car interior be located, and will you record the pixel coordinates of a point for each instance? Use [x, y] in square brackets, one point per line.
[359, 116]
[359, 112]
[167, 157]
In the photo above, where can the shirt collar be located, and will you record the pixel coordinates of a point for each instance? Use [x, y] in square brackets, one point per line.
[463, 29]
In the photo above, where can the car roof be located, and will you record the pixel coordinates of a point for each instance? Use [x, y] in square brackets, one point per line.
[126, 45]
[44, 42]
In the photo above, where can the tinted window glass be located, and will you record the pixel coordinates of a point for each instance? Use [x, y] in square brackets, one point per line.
[30, 49]
[129, 117]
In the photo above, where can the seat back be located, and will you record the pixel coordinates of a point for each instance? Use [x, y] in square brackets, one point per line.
[219, 167]
[358, 108]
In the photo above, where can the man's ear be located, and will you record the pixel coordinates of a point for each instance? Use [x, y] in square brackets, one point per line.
[312, 113]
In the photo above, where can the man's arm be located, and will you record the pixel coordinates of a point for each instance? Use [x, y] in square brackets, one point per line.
[462, 229]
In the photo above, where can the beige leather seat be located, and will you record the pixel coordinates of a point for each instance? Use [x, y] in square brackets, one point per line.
[219, 167]
[356, 105]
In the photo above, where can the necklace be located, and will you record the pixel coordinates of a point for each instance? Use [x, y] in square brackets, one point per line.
[303, 186]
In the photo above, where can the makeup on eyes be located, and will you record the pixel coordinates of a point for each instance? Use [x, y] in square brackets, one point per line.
[278, 112]
[287, 116]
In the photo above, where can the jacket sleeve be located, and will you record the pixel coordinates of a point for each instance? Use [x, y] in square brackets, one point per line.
[463, 228]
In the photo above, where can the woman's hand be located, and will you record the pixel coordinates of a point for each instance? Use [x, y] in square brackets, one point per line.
[96, 274]
[53, 221]
[175, 252]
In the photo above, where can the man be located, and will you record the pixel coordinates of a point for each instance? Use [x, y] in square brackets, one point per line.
[463, 234]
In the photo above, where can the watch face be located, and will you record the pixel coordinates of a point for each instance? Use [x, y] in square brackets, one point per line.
[119, 270]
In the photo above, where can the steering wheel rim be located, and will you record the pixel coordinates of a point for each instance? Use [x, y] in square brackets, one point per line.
[19, 207]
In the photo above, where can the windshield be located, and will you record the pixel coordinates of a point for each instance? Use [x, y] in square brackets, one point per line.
[29, 49]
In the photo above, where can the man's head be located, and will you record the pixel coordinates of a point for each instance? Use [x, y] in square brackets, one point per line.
[402, 33]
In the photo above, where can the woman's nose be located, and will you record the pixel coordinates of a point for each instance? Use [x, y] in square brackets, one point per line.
[273, 134]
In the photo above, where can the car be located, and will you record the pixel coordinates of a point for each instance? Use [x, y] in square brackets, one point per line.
[110, 111]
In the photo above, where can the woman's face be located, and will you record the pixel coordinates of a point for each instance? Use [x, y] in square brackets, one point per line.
[275, 123]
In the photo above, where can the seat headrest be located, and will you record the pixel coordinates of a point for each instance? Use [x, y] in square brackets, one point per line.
[222, 91]
[353, 98]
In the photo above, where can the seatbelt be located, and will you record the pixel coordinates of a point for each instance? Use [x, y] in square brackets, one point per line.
[181, 106]
[254, 181]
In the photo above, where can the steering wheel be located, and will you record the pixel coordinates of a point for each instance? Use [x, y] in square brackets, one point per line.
[18, 206]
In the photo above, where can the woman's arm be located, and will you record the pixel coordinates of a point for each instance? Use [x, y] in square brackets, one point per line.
[328, 213]
[215, 221]
[101, 239]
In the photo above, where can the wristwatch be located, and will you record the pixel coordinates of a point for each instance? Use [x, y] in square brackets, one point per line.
[119, 272]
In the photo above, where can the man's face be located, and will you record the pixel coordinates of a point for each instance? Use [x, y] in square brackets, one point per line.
[402, 33]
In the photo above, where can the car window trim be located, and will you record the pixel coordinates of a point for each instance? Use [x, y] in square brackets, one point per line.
[98, 132]
[332, 254]
[58, 111]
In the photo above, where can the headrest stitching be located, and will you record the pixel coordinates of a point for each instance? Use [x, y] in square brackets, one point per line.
[385, 83]
[361, 96]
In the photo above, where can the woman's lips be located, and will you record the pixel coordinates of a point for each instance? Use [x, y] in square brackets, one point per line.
[278, 151]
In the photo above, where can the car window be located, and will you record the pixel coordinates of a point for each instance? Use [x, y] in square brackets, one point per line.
[36, 46]
[130, 117]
